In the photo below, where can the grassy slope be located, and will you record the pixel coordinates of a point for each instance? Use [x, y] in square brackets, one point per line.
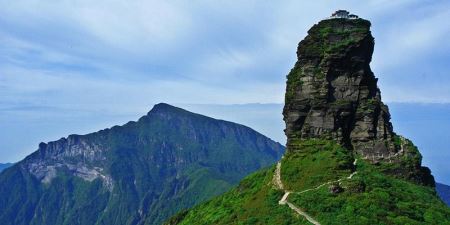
[314, 162]
[370, 197]
[253, 201]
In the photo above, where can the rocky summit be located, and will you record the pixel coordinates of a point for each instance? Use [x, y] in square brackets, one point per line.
[343, 163]
[332, 93]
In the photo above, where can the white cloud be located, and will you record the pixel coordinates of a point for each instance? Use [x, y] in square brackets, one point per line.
[130, 25]
[207, 50]
[134, 25]
[412, 38]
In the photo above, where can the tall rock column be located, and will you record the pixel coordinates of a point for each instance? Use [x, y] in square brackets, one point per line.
[332, 93]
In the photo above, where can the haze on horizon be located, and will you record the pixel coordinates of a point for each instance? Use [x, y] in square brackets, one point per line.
[76, 67]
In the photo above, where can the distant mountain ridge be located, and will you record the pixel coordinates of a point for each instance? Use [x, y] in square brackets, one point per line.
[444, 192]
[139, 173]
[4, 166]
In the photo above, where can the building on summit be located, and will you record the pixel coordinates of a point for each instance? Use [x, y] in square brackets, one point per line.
[343, 14]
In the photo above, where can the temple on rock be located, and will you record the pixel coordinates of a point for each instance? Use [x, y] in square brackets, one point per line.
[343, 14]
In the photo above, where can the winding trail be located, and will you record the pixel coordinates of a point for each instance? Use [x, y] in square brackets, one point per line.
[284, 200]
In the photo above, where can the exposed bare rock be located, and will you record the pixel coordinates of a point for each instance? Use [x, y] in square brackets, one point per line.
[74, 155]
[335, 188]
[332, 93]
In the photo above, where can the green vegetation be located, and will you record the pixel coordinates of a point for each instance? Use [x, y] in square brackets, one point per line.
[341, 103]
[409, 164]
[341, 45]
[372, 197]
[293, 82]
[369, 107]
[397, 141]
[168, 161]
[253, 201]
[369, 197]
[332, 39]
[310, 163]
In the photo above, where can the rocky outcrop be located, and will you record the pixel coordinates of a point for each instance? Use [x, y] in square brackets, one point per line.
[80, 156]
[332, 93]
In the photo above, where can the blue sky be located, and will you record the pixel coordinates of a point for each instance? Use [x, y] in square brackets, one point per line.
[79, 66]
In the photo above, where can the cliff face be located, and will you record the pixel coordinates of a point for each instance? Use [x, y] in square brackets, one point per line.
[332, 93]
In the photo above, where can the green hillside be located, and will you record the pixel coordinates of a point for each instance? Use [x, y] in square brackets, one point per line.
[139, 173]
[368, 197]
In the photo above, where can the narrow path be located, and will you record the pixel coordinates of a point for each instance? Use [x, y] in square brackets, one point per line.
[277, 177]
[284, 198]
[329, 182]
[283, 201]
[299, 211]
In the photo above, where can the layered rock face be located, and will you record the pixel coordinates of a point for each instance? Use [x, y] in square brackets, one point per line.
[78, 155]
[332, 94]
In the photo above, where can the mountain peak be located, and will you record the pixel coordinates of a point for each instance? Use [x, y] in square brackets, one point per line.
[163, 107]
[164, 110]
